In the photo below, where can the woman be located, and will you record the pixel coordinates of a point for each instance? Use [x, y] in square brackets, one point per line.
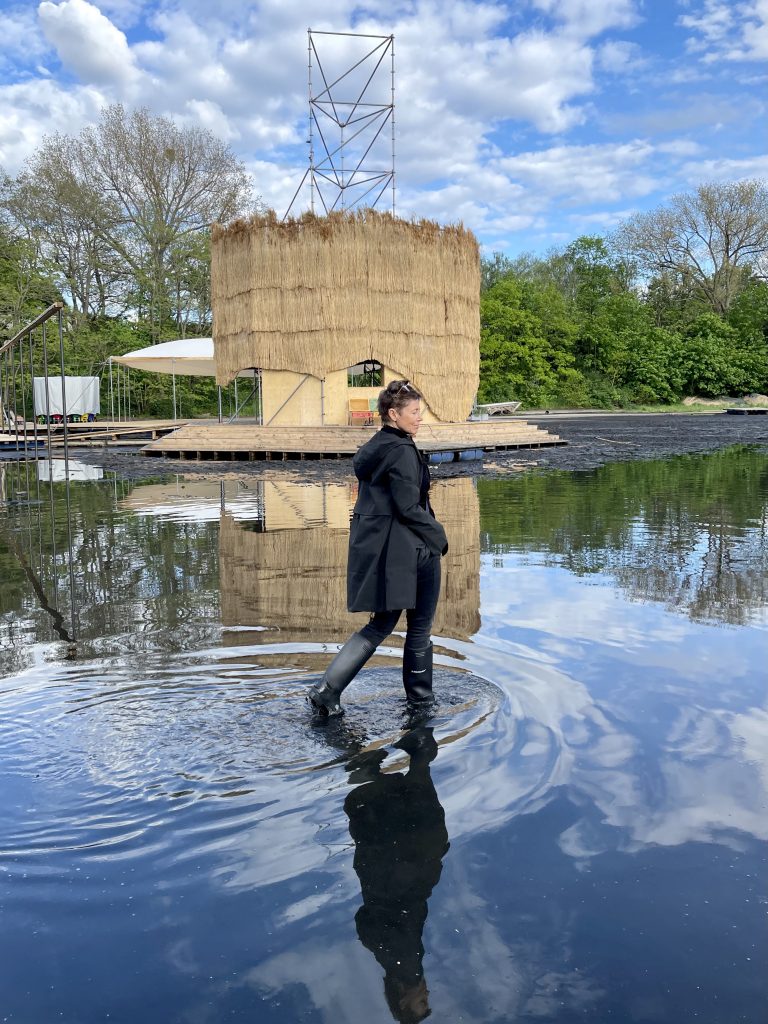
[395, 544]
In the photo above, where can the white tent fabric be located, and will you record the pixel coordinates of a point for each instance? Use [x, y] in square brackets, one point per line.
[186, 357]
[82, 396]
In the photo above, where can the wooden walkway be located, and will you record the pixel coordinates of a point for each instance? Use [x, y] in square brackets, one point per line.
[250, 443]
[99, 434]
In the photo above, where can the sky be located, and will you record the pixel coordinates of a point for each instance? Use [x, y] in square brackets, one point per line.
[532, 123]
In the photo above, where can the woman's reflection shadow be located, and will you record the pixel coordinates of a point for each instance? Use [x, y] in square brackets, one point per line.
[398, 827]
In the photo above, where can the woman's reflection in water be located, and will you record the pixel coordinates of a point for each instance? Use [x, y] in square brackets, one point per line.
[398, 826]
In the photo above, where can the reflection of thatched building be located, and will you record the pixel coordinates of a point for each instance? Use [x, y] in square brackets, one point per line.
[293, 577]
[307, 299]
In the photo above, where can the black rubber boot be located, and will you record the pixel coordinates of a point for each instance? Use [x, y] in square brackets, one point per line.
[353, 655]
[417, 675]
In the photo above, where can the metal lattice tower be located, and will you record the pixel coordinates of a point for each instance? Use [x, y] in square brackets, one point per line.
[351, 135]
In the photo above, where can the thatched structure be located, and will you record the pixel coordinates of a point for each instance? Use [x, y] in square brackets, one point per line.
[293, 578]
[318, 294]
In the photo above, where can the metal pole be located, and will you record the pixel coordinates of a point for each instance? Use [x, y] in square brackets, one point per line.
[64, 403]
[341, 158]
[311, 145]
[66, 474]
[34, 411]
[221, 415]
[237, 407]
[255, 397]
[261, 400]
[173, 375]
[70, 554]
[47, 393]
[50, 464]
[3, 391]
[23, 395]
[128, 378]
[15, 399]
[111, 393]
[393, 126]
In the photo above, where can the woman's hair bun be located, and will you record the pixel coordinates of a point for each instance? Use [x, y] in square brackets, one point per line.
[395, 395]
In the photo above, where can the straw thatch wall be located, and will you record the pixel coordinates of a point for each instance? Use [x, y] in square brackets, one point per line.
[320, 294]
[294, 579]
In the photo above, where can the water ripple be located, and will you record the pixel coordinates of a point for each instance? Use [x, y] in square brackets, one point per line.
[119, 757]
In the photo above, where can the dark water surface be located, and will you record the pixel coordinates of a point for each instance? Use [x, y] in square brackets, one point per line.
[578, 834]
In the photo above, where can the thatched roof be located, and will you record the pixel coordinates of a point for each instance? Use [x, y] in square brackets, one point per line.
[318, 294]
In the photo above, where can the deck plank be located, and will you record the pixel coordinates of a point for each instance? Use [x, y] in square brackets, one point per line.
[210, 440]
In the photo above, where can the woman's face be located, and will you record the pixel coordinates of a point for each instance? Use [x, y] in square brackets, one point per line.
[408, 417]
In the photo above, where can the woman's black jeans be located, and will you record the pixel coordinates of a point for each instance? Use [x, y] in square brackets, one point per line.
[420, 617]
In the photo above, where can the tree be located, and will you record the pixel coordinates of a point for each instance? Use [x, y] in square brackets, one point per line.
[492, 269]
[715, 360]
[522, 356]
[749, 314]
[711, 239]
[26, 282]
[58, 209]
[164, 182]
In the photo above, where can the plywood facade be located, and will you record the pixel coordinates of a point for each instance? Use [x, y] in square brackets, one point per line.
[299, 399]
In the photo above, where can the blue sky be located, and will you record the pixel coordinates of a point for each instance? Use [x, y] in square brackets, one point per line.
[531, 122]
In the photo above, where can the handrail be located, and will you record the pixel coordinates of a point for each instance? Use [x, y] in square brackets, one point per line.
[51, 311]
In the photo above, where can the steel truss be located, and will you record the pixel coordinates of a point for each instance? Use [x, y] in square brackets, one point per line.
[345, 123]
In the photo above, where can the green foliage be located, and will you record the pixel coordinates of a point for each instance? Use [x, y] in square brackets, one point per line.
[716, 360]
[525, 344]
[749, 314]
[26, 282]
[653, 368]
[571, 330]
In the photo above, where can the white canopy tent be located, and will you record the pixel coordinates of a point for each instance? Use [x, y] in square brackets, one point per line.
[186, 357]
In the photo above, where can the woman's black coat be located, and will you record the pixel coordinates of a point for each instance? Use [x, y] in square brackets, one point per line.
[391, 521]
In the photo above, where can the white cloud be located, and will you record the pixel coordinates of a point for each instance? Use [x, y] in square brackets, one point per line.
[29, 110]
[618, 57]
[593, 173]
[723, 30]
[20, 42]
[87, 42]
[725, 169]
[591, 17]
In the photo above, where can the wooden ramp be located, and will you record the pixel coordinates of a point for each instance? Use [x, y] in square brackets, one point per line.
[250, 443]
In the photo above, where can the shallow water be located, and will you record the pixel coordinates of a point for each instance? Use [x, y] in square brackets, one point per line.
[578, 833]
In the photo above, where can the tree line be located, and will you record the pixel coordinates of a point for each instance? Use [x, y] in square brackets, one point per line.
[115, 221]
[673, 303]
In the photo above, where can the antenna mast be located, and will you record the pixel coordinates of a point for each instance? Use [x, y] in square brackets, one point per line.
[352, 166]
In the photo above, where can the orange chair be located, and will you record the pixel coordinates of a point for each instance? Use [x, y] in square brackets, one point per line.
[359, 412]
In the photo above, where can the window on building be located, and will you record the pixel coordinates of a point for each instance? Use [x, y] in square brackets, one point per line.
[365, 375]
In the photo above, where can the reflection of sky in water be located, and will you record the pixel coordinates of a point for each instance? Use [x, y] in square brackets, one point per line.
[176, 823]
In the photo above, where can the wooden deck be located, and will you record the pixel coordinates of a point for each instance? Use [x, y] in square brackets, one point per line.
[250, 443]
[100, 433]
